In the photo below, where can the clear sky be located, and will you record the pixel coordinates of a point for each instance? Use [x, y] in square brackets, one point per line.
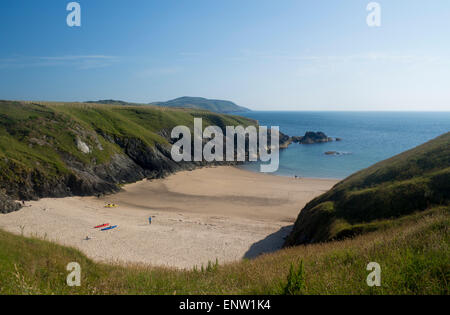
[263, 54]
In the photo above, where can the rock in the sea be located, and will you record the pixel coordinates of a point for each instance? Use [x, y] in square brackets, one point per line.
[296, 139]
[312, 137]
[285, 141]
[315, 137]
[337, 153]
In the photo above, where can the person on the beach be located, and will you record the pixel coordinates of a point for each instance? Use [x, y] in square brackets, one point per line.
[150, 220]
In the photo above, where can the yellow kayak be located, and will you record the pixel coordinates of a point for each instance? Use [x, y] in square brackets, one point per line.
[111, 205]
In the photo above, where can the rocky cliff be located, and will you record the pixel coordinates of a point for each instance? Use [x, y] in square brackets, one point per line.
[58, 150]
[310, 137]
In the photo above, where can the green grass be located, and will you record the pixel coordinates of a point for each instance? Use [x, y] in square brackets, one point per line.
[413, 253]
[395, 213]
[412, 181]
[39, 137]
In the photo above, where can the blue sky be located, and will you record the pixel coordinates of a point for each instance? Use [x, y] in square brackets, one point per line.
[264, 54]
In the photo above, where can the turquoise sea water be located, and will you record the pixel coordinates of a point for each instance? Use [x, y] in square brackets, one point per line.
[368, 137]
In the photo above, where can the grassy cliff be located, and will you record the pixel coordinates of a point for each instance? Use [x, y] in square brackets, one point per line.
[377, 197]
[60, 149]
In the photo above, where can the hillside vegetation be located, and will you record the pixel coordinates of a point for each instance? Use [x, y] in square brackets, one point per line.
[61, 149]
[413, 254]
[114, 102]
[375, 197]
[395, 213]
[218, 106]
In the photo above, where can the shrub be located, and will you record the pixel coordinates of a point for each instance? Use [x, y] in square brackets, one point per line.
[295, 280]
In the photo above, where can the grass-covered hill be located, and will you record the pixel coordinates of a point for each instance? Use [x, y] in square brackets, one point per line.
[62, 149]
[413, 254]
[217, 106]
[377, 197]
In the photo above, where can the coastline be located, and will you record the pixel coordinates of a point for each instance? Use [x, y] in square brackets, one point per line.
[243, 168]
[222, 213]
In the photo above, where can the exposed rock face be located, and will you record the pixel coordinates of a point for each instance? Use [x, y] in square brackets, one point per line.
[7, 205]
[285, 141]
[83, 147]
[310, 137]
[114, 145]
[140, 161]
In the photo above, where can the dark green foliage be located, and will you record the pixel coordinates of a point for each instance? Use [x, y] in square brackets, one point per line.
[412, 181]
[295, 280]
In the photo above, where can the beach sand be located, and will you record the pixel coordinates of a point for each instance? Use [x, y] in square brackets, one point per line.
[222, 213]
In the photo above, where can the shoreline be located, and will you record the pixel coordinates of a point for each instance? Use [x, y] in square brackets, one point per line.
[219, 212]
[242, 167]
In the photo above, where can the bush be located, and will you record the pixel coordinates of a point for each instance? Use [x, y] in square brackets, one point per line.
[295, 281]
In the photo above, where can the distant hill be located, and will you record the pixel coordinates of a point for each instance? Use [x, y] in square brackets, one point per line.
[379, 196]
[112, 102]
[217, 106]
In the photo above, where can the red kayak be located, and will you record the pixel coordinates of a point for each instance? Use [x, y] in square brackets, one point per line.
[101, 226]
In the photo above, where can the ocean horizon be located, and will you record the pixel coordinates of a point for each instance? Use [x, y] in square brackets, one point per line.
[367, 137]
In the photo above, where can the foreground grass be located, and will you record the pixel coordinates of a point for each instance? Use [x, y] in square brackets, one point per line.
[413, 253]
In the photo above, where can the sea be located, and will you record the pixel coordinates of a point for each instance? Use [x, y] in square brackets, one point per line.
[367, 138]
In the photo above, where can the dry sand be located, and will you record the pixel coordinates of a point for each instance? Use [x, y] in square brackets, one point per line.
[223, 212]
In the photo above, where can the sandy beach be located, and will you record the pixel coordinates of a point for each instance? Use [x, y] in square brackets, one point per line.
[222, 213]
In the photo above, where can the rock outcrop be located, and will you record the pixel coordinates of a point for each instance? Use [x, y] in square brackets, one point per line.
[337, 153]
[7, 205]
[310, 137]
[91, 150]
